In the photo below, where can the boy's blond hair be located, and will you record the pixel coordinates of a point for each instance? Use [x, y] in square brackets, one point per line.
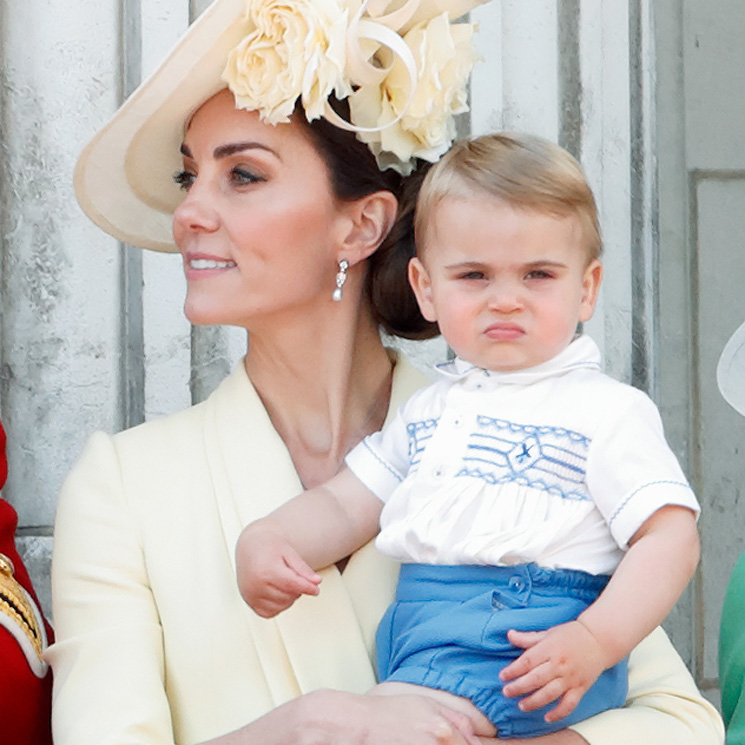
[523, 170]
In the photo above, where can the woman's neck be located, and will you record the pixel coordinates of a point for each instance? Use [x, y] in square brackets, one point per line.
[325, 382]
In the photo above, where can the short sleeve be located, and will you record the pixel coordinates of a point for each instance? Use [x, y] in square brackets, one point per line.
[631, 470]
[384, 459]
[381, 461]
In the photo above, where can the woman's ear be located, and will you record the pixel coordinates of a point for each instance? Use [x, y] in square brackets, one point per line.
[368, 221]
[422, 285]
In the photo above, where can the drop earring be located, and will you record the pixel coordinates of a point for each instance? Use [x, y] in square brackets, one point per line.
[341, 278]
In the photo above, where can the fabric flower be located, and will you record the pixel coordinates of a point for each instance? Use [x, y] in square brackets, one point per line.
[445, 56]
[292, 49]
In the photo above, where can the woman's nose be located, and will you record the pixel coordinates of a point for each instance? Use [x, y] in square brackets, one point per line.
[196, 213]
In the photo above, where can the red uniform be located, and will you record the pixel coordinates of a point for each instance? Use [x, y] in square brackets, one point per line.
[25, 681]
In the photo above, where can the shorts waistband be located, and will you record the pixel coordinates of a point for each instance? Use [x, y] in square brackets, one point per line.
[447, 582]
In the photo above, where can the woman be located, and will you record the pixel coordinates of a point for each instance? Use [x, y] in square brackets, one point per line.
[278, 220]
[732, 637]
[25, 679]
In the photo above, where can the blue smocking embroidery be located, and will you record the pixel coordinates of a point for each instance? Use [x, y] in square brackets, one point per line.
[552, 459]
[419, 435]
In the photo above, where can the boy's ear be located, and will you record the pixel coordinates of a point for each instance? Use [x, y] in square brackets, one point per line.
[591, 280]
[422, 285]
[367, 222]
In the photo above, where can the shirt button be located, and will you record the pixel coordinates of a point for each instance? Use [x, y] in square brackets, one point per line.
[457, 422]
[438, 473]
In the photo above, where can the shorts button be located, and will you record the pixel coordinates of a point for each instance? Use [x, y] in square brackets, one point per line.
[516, 583]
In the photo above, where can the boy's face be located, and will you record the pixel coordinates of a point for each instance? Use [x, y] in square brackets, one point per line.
[507, 286]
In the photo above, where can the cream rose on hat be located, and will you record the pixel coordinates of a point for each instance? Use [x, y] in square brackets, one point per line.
[404, 70]
[445, 56]
[293, 49]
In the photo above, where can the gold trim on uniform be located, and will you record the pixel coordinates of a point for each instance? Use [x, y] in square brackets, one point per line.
[14, 602]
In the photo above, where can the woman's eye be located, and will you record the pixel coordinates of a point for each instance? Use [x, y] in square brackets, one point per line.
[184, 179]
[242, 176]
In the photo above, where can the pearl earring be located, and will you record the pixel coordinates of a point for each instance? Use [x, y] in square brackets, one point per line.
[341, 278]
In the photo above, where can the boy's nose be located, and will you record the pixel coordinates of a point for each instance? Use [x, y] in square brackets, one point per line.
[504, 297]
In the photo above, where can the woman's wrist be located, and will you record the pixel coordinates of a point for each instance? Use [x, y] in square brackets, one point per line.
[307, 720]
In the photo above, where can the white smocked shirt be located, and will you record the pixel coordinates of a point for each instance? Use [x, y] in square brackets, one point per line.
[557, 464]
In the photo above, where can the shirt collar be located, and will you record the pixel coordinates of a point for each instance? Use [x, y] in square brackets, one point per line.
[581, 353]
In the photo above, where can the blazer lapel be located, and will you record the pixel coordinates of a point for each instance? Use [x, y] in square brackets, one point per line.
[325, 642]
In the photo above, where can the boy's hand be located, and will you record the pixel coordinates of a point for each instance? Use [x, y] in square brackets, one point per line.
[560, 663]
[271, 574]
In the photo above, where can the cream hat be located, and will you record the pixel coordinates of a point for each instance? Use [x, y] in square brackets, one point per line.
[731, 371]
[124, 177]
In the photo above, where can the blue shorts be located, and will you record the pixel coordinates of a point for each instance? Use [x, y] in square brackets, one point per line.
[447, 629]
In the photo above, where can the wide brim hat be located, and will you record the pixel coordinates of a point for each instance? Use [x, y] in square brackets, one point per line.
[124, 176]
[731, 371]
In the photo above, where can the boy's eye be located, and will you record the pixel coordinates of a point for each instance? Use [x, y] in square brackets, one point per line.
[184, 179]
[472, 275]
[538, 274]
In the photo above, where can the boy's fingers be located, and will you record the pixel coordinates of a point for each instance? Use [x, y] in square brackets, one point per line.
[565, 707]
[543, 696]
[532, 681]
[525, 639]
[529, 659]
[295, 562]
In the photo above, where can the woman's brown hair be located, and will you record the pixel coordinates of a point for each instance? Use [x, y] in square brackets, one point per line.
[354, 174]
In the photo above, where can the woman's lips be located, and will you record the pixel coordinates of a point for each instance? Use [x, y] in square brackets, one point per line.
[201, 265]
[504, 331]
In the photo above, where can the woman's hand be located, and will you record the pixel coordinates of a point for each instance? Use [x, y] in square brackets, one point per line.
[327, 717]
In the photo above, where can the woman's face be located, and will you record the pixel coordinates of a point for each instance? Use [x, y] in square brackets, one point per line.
[259, 228]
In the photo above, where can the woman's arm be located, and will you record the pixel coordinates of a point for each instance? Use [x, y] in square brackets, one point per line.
[336, 718]
[108, 661]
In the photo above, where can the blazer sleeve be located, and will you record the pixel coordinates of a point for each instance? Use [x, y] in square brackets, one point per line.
[108, 658]
[664, 707]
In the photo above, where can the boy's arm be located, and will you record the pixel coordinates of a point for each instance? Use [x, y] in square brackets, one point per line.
[276, 556]
[563, 662]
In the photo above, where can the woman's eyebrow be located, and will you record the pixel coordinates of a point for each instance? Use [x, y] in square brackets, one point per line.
[224, 151]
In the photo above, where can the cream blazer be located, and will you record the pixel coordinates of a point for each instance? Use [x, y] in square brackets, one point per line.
[154, 643]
